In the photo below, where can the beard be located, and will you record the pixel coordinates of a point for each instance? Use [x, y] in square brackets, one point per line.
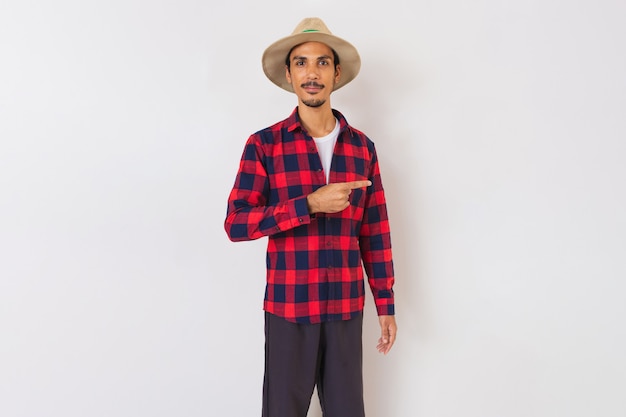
[313, 102]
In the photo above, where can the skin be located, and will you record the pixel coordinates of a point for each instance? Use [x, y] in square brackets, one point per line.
[312, 74]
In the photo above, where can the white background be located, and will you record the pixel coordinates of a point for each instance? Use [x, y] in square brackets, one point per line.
[501, 132]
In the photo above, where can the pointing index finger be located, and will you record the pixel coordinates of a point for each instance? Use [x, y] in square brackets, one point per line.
[358, 184]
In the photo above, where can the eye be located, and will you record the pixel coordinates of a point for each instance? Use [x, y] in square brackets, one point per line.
[323, 62]
[299, 62]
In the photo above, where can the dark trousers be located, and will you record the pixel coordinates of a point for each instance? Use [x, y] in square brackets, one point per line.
[299, 356]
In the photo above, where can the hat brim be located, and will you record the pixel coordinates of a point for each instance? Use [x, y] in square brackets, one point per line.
[274, 57]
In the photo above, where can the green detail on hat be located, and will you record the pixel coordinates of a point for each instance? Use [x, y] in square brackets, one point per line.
[310, 30]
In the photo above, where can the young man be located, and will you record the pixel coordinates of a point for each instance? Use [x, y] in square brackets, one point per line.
[311, 183]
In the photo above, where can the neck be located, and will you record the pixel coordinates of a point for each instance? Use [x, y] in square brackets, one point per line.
[317, 121]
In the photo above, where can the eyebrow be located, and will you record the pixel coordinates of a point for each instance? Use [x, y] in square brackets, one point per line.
[318, 58]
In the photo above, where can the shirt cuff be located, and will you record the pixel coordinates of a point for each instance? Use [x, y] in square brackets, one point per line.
[299, 212]
[385, 305]
[386, 310]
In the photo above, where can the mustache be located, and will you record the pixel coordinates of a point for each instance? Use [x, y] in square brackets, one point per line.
[312, 84]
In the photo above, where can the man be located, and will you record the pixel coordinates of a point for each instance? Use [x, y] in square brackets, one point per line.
[311, 183]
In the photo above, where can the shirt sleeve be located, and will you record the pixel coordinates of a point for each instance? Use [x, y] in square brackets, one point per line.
[248, 215]
[375, 243]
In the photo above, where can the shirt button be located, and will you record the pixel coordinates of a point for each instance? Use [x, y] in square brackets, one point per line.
[330, 267]
[328, 243]
[300, 219]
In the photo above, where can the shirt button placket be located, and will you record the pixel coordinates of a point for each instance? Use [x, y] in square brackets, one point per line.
[329, 256]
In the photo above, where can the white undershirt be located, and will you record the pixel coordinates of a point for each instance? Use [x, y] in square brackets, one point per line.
[325, 147]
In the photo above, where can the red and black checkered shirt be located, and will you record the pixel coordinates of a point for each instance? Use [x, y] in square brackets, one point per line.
[314, 262]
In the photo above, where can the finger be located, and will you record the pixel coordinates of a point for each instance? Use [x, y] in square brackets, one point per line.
[384, 334]
[358, 184]
[385, 331]
[383, 347]
[387, 339]
[392, 338]
[383, 341]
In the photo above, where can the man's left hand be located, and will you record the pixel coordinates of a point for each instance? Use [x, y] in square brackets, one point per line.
[388, 330]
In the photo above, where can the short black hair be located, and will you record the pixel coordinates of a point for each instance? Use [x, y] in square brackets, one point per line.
[288, 62]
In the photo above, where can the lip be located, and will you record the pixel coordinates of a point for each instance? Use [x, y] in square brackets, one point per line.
[312, 90]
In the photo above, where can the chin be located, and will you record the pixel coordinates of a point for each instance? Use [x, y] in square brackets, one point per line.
[313, 103]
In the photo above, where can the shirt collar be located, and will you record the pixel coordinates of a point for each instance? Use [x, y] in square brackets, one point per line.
[293, 121]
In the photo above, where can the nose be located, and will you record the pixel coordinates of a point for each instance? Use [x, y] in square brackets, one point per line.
[312, 71]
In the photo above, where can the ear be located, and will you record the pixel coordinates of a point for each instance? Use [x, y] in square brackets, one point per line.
[337, 73]
[287, 74]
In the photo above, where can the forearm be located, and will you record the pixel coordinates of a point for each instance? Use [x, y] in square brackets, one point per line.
[378, 265]
[248, 222]
[376, 253]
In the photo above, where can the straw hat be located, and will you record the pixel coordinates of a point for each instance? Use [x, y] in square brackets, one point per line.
[311, 29]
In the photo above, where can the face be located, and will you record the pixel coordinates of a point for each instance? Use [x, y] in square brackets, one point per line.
[312, 73]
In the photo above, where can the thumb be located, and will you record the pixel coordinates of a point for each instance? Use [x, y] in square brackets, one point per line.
[384, 333]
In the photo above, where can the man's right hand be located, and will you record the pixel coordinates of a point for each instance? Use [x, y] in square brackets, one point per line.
[333, 198]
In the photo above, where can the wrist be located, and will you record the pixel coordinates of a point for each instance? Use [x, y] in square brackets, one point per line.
[310, 204]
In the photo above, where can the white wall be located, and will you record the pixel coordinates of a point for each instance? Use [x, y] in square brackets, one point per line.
[501, 133]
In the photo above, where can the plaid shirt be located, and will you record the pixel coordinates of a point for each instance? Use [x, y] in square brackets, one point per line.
[314, 262]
